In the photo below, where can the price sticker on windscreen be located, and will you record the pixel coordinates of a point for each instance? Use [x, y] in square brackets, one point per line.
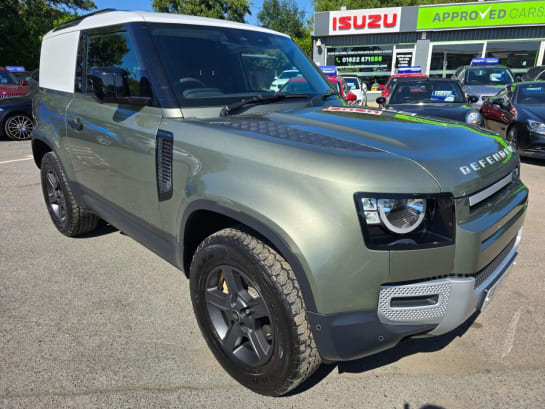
[442, 95]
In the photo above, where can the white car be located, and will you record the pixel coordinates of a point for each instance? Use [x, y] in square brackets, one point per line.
[358, 88]
[283, 78]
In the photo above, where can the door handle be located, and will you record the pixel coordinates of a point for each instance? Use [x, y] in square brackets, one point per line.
[75, 124]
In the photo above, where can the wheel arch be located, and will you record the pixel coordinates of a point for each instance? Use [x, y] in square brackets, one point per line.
[39, 149]
[217, 217]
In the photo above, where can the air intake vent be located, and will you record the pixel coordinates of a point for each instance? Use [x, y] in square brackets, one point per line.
[164, 164]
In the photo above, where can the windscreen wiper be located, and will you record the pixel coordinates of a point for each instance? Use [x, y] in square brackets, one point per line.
[257, 100]
[322, 97]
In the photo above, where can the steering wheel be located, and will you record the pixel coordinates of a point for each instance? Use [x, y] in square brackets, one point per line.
[188, 83]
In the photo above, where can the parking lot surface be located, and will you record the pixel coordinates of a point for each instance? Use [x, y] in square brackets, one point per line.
[103, 322]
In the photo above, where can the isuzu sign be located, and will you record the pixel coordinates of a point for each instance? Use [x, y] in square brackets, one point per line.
[364, 21]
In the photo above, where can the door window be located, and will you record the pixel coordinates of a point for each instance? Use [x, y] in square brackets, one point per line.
[111, 53]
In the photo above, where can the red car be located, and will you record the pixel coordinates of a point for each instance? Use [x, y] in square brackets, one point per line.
[342, 88]
[9, 86]
[405, 72]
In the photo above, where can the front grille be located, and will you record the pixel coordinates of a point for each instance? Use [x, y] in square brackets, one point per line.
[482, 275]
[9, 95]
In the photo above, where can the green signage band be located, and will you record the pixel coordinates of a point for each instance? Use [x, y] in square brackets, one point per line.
[481, 15]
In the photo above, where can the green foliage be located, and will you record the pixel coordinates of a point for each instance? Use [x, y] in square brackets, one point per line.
[284, 16]
[234, 10]
[327, 5]
[24, 23]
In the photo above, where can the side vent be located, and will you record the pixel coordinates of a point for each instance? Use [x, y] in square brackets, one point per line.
[165, 142]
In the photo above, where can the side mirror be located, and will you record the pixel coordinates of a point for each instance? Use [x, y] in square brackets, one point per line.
[381, 100]
[381, 86]
[501, 103]
[351, 97]
[472, 98]
[24, 83]
[518, 78]
[111, 85]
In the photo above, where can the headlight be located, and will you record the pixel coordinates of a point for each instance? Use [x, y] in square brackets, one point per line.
[474, 118]
[536, 126]
[404, 222]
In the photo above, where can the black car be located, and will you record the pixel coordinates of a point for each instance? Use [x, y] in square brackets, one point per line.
[16, 117]
[518, 113]
[534, 74]
[432, 97]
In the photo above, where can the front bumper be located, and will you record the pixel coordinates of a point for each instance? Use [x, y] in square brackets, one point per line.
[431, 307]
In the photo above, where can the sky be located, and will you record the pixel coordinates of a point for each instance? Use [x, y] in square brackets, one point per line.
[145, 5]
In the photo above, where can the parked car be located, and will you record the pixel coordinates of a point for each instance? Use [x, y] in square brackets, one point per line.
[16, 120]
[342, 88]
[483, 78]
[357, 87]
[9, 86]
[404, 72]
[536, 73]
[432, 97]
[517, 112]
[309, 230]
[283, 78]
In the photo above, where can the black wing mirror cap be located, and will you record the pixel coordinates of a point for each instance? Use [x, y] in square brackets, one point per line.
[381, 100]
[472, 98]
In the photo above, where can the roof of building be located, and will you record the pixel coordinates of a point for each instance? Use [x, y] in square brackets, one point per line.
[110, 17]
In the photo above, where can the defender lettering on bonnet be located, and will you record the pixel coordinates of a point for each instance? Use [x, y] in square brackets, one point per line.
[487, 161]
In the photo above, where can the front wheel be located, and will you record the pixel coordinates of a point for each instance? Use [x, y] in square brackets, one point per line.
[512, 136]
[251, 312]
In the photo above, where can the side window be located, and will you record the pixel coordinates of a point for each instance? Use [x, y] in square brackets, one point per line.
[113, 53]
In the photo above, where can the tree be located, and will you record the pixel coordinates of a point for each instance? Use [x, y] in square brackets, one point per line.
[283, 16]
[234, 10]
[24, 23]
[327, 5]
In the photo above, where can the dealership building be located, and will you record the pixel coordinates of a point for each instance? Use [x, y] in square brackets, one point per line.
[439, 38]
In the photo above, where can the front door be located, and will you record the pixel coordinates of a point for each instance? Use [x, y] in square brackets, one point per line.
[112, 146]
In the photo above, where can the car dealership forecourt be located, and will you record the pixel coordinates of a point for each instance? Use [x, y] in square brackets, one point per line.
[374, 43]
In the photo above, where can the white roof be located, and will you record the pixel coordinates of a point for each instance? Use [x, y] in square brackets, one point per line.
[122, 17]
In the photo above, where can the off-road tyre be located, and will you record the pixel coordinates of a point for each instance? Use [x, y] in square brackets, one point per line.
[294, 355]
[73, 220]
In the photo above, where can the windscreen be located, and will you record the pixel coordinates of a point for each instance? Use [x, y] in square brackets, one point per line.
[409, 92]
[212, 66]
[488, 76]
[531, 94]
[352, 83]
[6, 78]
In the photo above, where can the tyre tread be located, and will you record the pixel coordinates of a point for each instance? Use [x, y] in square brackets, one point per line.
[307, 358]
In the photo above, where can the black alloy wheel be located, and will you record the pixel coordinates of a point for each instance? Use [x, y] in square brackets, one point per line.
[251, 312]
[55, 197]
[239, 315]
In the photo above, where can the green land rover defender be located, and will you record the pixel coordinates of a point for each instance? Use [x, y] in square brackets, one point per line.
[310, 231]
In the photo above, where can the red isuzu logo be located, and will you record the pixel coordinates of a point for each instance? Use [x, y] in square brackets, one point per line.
[365, 21]
[370, 21]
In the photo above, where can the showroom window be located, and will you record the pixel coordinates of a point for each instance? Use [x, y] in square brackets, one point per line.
[368, 61]
[514, 54]
[446, 58]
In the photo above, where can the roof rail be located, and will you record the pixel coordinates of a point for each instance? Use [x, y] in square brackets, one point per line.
[79, 19]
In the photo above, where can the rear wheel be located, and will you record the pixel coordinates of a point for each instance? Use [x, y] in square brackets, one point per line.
[69, 218]
[251, 312]
[18, 127]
